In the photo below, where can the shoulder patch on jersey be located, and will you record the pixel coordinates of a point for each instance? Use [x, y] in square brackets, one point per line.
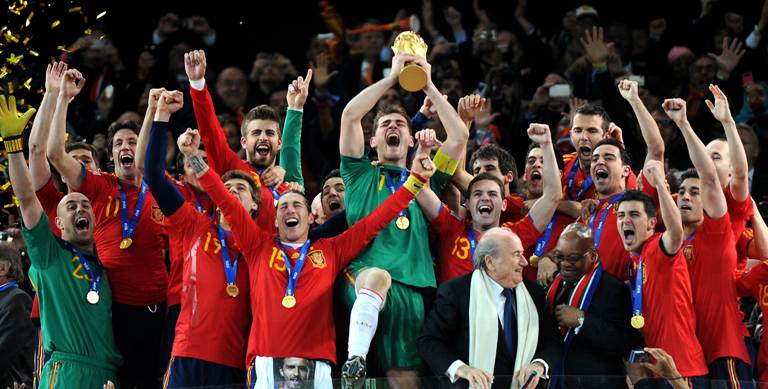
[157, 214]
[318, 259]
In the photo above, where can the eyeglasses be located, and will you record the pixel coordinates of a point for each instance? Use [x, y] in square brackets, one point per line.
[557, 257]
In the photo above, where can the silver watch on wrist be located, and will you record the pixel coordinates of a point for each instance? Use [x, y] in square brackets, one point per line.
[581, 321]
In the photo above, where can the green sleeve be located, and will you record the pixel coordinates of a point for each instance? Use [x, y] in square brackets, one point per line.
[353, 169]
[41, 243]
[290, 150]
[439, 181]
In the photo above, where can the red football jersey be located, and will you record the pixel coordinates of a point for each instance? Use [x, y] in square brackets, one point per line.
[571, 192]
[755, 283]
[514, 210]
[739, 211]
[711, 258]
[224, 159]
[212, 325]
[670, 319]
[561, 221]
[50, 197]
[306, 330]
[746, 238]
[137, 274]
[454, 254]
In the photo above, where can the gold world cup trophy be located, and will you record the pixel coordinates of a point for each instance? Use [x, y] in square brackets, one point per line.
[413, 77]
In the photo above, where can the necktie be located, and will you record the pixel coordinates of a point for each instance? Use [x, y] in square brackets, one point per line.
[565, 292]
[510, 325]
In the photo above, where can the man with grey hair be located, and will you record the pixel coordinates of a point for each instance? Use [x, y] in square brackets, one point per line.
[17, 335]
[590, 306]
[457, 338]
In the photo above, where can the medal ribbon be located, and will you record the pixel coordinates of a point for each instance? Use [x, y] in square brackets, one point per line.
[544, 238]
[7, 286]
[230, 268]
[636, 286]
[585, 185]
[392, 188]
[275, 193]
[293, 274]
[472, 241]
[95, 279]
[129, 226]
[199, 207]
[606, 208]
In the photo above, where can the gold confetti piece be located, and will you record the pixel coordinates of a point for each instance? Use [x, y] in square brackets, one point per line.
[35, 53]
[13, 60]
[55, 23]
[25, 41]
[3, 71]
[10, 88]
[88, 31]
[75, 9]
[29, 19]
[101, 15]
[28, 85]
[5, 186]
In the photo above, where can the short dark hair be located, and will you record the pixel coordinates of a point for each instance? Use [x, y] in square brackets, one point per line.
[491, 151]
[636, 195]
[595, 110]
[690, 173]
[484, 177]
[9, 254]
[623, 153]
[181, 159]
[117, 126]
[255, 189]
[80, 146]
[303, 196]
[332, 174]
[558, 155]
[394, 108]
[261, 112]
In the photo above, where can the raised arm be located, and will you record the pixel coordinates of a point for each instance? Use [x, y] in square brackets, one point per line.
[455, 144]
[468, 108]
[39, 169]
[70, 169]
[674, 236]
[427, 199]
[648, 126]
[351, 140]
[546, 205]
[146, 127]
[290, 151]
[739, 183]
[167, 195]
[711, 192]
[759, 247]
[11, 129]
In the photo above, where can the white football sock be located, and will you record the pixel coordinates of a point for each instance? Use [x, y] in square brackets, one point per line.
[363, 321]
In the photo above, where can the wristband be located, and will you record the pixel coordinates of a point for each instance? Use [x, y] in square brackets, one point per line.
[13, 144]
[414, 183]
[444, 163]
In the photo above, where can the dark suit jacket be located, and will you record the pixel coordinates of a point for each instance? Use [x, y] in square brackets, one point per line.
[445, 335]
[604, 340]
[17, 338]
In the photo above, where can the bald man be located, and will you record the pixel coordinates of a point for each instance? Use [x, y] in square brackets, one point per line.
[593, 310]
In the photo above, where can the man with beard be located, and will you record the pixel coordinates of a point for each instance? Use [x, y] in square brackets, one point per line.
[711, 255]
[129, 235]
[215, 294]
[376, 273]
[659, 283]
[75, 296]
[291, 276]
[590, 124]
[457, 238]
[260, 134]
[296, 373]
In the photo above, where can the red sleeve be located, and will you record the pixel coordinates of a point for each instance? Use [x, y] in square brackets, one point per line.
[526, 231]
[746, 285]
[743, 243]
[740, 211]
[632, 180]
[247, 235]
[349, 244]
[49, 198]
[444, 222]
[211, 132]
[94, 184]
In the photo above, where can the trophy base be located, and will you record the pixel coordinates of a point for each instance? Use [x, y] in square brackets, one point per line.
[413, 78]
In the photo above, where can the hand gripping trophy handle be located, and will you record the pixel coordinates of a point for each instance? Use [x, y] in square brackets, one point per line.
[413, 77]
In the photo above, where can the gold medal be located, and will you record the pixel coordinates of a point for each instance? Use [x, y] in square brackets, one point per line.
[92, 297]
[638, 321]
[125, 243]
[402, 223]
[232, 290]
[534, 260]
[289, 301]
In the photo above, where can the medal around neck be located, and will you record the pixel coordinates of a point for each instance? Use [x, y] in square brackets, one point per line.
[232, 290]
[402, 223]
[413, 77]
[637, 321]
[126, 243]
[289, 302]
[92, 297]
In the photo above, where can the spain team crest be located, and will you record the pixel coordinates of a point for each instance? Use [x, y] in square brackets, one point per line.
[157, 214]
[318, 259]
[688, 253]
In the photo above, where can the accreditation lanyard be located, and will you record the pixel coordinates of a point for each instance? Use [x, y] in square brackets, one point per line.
[275, 193]
[572, 178]
[391, 185]
[604, 214]
[472, 241]
[7, 286]
[636, 286]
[544, 238]
[129, 226]
[95, 278]
[230, 268]
[293, 274]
